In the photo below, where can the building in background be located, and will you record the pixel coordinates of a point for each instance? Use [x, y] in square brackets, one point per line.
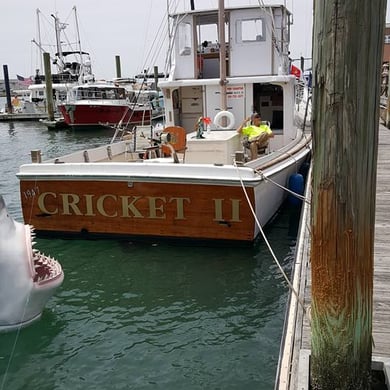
[14, 85]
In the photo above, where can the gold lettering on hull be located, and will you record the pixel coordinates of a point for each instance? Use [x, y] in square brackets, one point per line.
[157, 212]
[41, 203]
[235, 210]
[136, 206]
[69, 202]
[89, 205]
[100, 206]
[126, 206]
[180, 206]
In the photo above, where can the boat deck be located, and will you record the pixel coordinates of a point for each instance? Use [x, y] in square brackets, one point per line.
[297, 330]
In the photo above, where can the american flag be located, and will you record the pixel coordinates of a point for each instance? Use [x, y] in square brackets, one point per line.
[24, 80]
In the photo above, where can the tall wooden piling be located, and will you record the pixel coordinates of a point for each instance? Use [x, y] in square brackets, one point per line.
[49, 86]
[347, 53]
[118, 66]
[9, 108]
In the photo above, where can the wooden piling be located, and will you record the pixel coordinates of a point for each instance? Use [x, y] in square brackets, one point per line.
[347, 54]
[118, 66]
[9, 108]
[49, 86]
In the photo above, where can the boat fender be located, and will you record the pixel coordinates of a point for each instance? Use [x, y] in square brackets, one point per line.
[296, 184]
[230, 120]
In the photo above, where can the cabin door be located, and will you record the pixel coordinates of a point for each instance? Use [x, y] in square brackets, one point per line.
[191, 107]
[251, 50]
[236, 101]
[185, 50]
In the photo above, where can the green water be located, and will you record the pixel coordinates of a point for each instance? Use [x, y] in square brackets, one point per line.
[150, 315]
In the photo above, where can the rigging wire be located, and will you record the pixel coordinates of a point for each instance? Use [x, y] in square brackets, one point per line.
[278, 42]
[157, 45]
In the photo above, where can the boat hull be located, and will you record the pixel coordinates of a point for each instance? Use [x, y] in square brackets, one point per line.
[124, 208]
[102, 115]
[154, 200]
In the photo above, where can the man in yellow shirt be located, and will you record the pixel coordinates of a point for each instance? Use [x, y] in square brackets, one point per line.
[258, 134]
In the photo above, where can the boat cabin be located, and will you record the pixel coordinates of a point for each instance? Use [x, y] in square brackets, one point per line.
[38, 93]
[97, 92]
[256, 42]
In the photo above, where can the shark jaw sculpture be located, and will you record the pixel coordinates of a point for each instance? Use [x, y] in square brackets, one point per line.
[27, 278]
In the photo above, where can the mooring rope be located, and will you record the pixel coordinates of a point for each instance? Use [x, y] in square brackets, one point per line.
[266, 178]
[14, 345]
[266, 240]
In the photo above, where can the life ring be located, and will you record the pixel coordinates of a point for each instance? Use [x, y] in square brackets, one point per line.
[230, 120]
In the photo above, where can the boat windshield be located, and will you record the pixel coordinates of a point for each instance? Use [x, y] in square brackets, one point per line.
[93, 92]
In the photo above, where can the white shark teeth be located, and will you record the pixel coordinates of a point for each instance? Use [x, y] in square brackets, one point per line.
[45, 267]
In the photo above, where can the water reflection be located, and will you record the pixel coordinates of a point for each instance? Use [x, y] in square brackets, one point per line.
[11, 128]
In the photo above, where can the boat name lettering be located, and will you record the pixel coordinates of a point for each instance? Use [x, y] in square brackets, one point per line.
[235, 214]
[89, 205]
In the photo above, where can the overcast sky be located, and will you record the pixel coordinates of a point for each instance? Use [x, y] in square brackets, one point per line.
[129, 28]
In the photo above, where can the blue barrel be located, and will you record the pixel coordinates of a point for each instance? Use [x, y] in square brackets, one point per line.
[296, 183]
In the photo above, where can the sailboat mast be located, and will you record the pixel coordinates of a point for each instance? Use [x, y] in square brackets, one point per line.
[58, 40]
[78, 32]
[39, 39]
[79, 43]
[222, 53]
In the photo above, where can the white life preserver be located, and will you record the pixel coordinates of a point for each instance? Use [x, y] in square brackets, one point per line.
[230, 120]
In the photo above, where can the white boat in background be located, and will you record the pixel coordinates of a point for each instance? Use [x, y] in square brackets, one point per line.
[144, 93]
[191, 180]
[72, 67]
[23, 109]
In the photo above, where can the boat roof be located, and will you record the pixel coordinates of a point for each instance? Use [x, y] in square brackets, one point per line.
[272, 79]
[67, 53]
[227, 9]
[97, 85]
[42, 86]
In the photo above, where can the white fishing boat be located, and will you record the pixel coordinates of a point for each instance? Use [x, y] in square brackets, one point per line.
[194, 179]
[71, 66]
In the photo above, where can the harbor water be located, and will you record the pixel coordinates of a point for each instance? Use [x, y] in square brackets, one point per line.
[148, 315]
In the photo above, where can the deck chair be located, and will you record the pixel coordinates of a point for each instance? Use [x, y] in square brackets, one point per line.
[262, 145]
[177, 140]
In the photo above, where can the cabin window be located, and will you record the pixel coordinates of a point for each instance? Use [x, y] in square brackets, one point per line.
[251, 30]
[185, 42]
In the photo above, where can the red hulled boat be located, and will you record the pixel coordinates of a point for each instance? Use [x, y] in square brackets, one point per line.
[102, 104]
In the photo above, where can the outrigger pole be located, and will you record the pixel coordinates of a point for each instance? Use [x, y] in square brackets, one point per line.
[222, 53]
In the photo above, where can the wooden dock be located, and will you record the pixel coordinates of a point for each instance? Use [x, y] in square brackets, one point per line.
[295, 349]
[4, 117]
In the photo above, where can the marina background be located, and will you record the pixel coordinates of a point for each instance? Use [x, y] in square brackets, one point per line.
[133, 315]
[118, 28]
